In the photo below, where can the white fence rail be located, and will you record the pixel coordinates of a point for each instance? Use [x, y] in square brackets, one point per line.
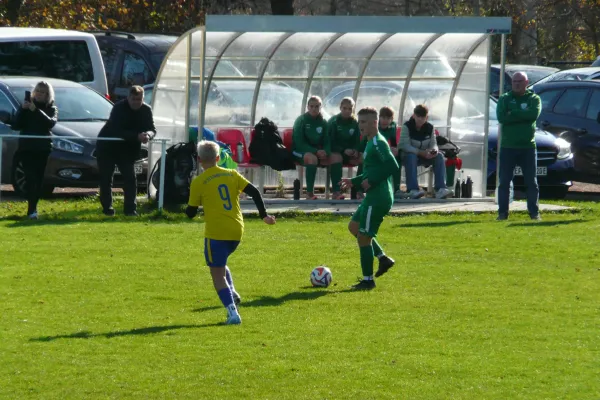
[163, 151]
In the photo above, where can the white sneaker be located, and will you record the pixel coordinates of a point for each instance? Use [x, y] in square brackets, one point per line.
[416, 194]
[233, 319]
[443, 193]
[33, 215]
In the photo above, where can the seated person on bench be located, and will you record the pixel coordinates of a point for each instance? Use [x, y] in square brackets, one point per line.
[419, 147]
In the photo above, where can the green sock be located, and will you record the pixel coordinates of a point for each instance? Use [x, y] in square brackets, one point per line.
[377, 250]
[311, 174]
[336, 176]
[366, 260]
[358, 172]
[398, 176]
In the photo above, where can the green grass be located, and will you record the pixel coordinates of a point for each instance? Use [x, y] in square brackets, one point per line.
[93, 308]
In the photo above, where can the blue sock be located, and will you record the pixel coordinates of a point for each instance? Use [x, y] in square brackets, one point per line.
[226, 297]
[229, 278]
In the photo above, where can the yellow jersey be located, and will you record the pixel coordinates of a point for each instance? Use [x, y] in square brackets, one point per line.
[218, 191]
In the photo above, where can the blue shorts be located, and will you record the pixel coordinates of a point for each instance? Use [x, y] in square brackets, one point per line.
[216, 252]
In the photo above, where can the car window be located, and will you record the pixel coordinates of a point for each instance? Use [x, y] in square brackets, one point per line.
[572, 102]
[548, 97]
[535, 75]
[5, 104]
[109, 57]
[64, 59]
[76, 103]
[594, 106]
[135, 71]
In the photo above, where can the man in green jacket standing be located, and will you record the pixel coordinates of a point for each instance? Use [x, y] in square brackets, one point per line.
[517, 113]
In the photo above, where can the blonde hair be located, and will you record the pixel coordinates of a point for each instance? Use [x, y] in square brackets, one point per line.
[348, 100]
[315, 98]
[208, 151]
[49, 89]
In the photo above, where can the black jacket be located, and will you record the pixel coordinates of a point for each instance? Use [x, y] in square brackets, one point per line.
[125, 123]
[39, 123]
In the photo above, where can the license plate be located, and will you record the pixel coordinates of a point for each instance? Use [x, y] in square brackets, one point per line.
[138, 169]
[542, 171]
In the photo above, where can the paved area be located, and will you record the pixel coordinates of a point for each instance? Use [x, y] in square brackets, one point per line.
[347, 207]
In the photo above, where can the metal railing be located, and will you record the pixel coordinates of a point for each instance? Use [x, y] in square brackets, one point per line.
[163, 152]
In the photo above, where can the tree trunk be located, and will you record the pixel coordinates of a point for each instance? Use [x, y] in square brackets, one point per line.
[282, 7]
[333, 7]
[12, 10]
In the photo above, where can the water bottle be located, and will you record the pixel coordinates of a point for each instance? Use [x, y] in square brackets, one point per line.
[469, 187]
[240, 152]
[457, 193]
[296, 189]
[511, 193]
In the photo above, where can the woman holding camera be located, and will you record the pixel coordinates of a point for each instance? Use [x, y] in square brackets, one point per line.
[37, 116]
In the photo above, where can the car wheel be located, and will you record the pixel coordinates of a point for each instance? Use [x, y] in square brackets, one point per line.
[19, 181]
[18, 178]
[554, 192]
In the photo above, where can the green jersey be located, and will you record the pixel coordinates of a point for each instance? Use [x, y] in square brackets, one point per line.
[390, 133]
[310, 134]
[344, 133]
[379, 168]
[518, 115]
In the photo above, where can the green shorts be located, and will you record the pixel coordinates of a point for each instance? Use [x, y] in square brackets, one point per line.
[369, 218]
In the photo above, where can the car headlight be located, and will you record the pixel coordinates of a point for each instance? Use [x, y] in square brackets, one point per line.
[564, 149]
[67, 145]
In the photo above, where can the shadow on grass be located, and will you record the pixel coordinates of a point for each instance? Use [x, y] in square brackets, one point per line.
[546, 223]
[269, 301]
[438, 224]
[139, 331]
[93, 215]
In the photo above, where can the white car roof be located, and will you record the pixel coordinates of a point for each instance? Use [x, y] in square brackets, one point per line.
[39, 33]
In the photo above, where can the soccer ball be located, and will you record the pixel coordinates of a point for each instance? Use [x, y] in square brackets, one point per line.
[321, 276]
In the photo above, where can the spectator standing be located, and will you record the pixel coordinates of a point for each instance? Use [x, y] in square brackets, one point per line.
[517, 112]
[131, 120]
[37, 116]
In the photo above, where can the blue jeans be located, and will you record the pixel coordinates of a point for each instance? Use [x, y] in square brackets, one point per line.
[411, 161]
[527, 160]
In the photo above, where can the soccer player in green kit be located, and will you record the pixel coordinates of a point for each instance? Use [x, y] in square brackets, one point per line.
[311, 144]
[345, 143]
[379, 167]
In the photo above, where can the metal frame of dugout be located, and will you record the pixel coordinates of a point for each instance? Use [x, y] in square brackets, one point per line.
[312, 55]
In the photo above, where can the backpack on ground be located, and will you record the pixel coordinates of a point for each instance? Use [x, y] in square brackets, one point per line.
[266, 147]
[180, 164]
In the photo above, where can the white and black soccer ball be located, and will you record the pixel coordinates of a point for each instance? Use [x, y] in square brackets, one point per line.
[320, 276]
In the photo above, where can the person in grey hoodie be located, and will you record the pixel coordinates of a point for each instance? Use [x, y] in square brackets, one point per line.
[419, 146]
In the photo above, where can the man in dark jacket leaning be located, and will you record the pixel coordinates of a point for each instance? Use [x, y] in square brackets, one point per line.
[130, 119]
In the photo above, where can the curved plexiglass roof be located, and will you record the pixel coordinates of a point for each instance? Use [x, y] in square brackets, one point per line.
[265, 66]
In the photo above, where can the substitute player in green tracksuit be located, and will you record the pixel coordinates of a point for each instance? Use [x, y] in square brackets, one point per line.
[345, 143]
[311, 144]
[379, 166]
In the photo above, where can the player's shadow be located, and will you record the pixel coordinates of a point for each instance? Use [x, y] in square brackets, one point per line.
[270, 301]
[437, 224]
[108, 335]
[546, 223]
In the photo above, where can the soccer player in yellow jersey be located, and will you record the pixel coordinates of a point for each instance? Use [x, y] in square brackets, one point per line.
[217, 190]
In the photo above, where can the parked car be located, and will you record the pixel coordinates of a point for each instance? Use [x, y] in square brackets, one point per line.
[571, 109]
[534, 74]
[576, 74]
[229, 102]
[81, 112]
[596, 63]
[135, 59]
[555, 160]
[52, 53]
